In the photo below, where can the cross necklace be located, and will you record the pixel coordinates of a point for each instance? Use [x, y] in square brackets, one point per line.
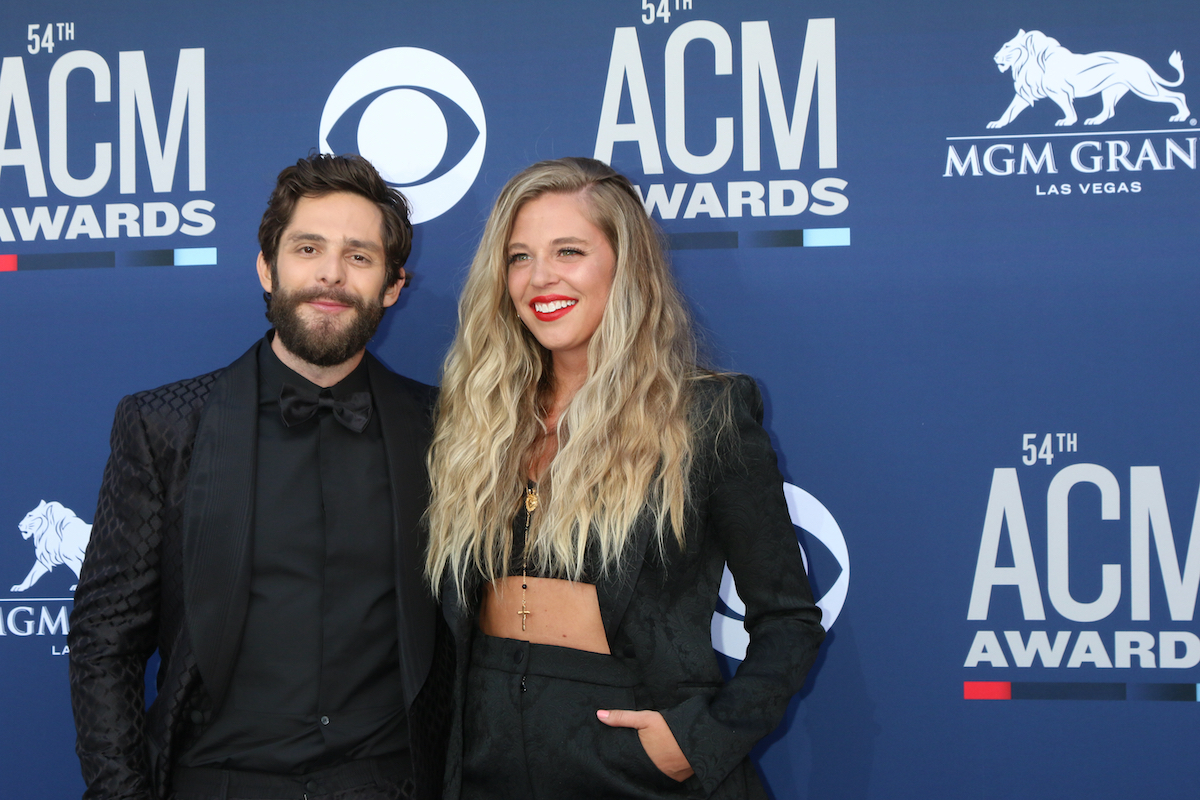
[531, 502]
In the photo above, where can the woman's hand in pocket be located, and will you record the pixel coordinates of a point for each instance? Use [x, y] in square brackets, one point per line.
[656, 737]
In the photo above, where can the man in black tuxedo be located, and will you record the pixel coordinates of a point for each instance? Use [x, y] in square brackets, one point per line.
[259, 527]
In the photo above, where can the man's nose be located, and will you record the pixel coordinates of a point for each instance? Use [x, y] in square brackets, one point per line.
[331, 271]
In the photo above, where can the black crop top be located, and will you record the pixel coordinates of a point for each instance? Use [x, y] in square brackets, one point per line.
[516, 561]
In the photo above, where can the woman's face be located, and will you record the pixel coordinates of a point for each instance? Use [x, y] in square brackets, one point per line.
[560, 271]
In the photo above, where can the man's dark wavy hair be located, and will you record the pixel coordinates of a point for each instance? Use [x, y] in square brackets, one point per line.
[320, 174]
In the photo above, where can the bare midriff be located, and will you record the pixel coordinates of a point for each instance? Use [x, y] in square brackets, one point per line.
[562, 613]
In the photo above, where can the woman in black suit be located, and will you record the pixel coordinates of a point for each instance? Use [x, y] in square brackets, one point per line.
[589, 483]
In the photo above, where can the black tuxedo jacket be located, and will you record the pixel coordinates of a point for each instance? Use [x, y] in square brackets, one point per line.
[168, 568]
[657, 608]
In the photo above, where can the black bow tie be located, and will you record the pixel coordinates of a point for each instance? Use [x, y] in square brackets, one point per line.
[297, 405]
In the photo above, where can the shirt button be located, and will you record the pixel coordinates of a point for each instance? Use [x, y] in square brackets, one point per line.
[324, 720]
[311, 786]
[197, 717]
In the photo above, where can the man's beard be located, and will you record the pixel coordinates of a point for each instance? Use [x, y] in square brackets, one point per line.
[324, 343]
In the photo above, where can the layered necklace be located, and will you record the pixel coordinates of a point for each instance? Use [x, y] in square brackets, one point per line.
[531, 503]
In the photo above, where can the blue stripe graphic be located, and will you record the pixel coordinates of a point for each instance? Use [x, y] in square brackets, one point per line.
[195, 256]
[826, 237]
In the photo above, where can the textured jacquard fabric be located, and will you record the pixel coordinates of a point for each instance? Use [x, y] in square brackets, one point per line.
[135, 578]
[530, 728]
[129, 600]
[657, 607]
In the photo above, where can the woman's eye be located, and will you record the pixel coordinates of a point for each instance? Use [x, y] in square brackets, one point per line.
[515, 257]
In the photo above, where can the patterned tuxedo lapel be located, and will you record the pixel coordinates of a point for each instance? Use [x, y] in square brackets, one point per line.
[218, 520]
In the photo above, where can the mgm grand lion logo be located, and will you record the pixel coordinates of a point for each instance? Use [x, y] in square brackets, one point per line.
[59, 537]
[1041, 67]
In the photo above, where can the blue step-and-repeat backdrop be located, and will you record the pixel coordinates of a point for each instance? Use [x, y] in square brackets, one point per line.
[956, 243]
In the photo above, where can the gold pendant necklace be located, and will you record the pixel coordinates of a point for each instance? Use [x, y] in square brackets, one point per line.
[531, 502]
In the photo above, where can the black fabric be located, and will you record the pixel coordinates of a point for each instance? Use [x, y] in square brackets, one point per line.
[530, 728]
[657, 605]
[298, 404]
[314, 681]
[167, 567]
[517, 565]
[130, 600]
[366, 779]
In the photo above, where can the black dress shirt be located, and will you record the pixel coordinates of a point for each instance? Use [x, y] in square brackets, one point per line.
[316, 681]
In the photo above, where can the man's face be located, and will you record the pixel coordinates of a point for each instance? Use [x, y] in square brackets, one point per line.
[327, 286]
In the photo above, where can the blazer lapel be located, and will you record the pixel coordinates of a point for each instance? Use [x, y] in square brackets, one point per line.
[405, 438]
[218, 517]
[459, 618]
[615, 591]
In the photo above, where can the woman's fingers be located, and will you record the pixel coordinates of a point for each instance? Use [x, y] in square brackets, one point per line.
[656, 738]
[624, 718]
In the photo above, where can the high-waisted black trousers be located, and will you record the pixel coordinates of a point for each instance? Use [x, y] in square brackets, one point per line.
[530, 729]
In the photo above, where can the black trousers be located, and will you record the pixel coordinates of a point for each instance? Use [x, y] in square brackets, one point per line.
[530, 729]
[368, 779]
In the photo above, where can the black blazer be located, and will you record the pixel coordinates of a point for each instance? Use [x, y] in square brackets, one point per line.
[168, 568]
[657, 609]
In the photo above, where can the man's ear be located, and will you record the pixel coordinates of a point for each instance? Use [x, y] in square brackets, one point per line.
[392, 293]
[264, 272]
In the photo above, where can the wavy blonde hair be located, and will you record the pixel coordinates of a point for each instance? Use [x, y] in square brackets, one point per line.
[624, 439]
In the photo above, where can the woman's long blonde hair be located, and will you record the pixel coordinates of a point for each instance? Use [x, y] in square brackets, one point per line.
[624, 439]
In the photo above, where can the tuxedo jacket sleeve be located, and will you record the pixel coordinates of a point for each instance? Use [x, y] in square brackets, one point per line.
[121, 614]
[740, 518]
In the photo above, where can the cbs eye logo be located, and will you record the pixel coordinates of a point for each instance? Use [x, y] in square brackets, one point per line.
[728, 630]
[415, 110]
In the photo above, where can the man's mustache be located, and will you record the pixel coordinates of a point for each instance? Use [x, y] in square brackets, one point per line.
[333, 295]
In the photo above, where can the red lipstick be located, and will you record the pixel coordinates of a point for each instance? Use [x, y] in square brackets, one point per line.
[558, 313]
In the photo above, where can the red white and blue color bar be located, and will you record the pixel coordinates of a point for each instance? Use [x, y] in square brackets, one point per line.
[178, 257]
[1032, 690]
